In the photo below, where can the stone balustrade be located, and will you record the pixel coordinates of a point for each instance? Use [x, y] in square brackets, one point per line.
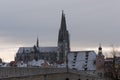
[13, 72]
[6, 72]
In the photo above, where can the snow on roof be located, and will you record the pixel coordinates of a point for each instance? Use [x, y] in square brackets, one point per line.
[41, 49]
[82, 59]
[21, 64]
[36, 63]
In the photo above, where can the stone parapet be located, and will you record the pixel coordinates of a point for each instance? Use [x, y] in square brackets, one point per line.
[6, 72]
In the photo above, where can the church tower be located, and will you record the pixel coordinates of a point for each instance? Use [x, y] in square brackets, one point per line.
[63, 40]
[100, 61]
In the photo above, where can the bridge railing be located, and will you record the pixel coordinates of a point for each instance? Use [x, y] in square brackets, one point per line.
[6, 72]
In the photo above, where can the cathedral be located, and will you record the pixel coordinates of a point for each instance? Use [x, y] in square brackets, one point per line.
[51, 54]
[81, 60]
[87, 61]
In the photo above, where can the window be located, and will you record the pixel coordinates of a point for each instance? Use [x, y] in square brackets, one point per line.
[100, 60]
[67, 79]
[74, 59]
[85, 69]
[86, 58]
[75, 56]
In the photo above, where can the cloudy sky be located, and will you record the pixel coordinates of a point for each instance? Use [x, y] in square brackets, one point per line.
[89, 22]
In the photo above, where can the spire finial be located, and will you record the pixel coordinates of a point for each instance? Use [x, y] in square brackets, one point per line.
[100, 49]
[99, 44]
[63, 22]
[63, 15]
[62, 11]
[37, 44]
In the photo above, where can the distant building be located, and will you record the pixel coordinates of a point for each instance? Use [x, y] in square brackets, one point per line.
[79, 60]
[100, 62]
[51, 54]
[62, 56]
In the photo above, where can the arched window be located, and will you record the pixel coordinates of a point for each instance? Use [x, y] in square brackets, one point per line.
[67, 79]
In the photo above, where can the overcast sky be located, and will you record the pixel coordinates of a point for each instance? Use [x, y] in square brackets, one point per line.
[89, 22]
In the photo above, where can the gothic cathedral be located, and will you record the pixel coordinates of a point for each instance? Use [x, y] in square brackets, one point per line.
[51, 54]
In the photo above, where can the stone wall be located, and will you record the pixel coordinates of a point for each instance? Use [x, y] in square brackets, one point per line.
[60, 76]
[14, 73]
[19, 72]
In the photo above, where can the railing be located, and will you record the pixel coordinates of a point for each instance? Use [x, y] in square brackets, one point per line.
[19, 72]
[7, 72]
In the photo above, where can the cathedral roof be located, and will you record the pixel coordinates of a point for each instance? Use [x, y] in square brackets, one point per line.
[48, 49]
[40, 49]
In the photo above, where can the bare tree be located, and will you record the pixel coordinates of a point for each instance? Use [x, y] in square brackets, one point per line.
[115, 67]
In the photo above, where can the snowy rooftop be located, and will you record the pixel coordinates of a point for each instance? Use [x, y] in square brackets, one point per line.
[82, 60]
[41, 49]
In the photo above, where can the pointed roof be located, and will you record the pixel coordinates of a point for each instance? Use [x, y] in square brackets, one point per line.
[63, 22]
[100, 50]
[37, 44]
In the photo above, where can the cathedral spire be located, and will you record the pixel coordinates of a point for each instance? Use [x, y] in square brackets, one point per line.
[63, 22]
[63, 39]
[37, 43]
[63, 32]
